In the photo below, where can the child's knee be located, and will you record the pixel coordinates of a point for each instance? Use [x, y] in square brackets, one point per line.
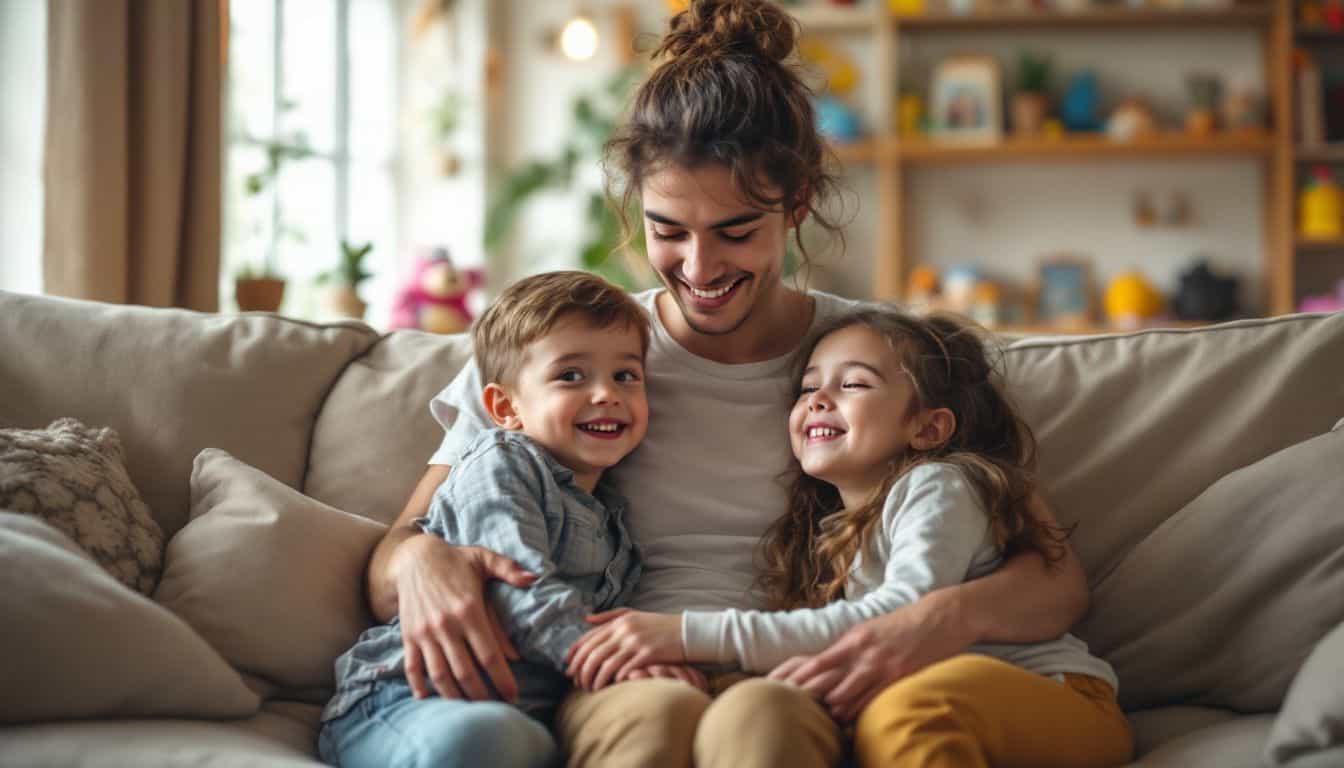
[504, 733]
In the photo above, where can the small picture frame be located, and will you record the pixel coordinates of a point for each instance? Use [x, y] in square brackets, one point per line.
[1064, 295]
[966, 99]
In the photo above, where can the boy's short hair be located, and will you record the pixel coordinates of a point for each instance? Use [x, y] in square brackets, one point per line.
[533, 306]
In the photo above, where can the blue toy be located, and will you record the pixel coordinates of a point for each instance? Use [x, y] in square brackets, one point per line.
[1078, 110]
[836, 121]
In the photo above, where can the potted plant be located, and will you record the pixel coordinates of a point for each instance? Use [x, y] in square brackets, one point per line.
[343, 291]
[1031, 102]
[258, 289]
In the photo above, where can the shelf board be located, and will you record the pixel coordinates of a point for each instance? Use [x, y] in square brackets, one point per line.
[823, 18]
[1322, 36]
[1089, 146]
[1328, 153]
[1320, 244]
[1110, 18]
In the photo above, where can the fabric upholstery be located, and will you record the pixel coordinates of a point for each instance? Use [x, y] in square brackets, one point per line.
[272, 579]
[1155, 727]
[1312, 718]
[1233, 743]
[74, 477]
[381, 405]
[171, 383]
[79, 644]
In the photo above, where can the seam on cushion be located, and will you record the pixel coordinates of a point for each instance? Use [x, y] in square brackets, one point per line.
[322, 406]
[1228, 326]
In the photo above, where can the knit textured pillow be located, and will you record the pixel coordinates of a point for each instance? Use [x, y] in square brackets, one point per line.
[74, 477]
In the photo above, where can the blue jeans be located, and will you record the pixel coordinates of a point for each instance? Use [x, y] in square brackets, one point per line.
[390, 727]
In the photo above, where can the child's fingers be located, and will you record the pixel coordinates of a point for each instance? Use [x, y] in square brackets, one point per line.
[607, 670]
[605, 616]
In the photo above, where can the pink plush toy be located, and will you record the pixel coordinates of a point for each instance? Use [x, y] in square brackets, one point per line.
[435, 297]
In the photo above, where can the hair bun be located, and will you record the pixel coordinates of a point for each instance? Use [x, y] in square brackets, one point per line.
[710, 27]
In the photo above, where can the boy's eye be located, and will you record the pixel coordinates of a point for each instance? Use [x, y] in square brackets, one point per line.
[742, 238]
[626, 377]
[570, 375]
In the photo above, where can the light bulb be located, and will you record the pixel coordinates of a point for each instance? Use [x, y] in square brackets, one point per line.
[578, 39]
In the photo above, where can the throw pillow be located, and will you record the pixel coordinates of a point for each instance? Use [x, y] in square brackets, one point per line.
[1220, 604]
[1312, 717]
[74, 477]
[271, 578]
[78, 644]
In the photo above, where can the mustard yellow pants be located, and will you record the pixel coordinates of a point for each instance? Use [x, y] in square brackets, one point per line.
[747, 722]
[972, 711]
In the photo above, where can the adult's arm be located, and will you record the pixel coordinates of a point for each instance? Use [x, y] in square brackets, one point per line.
[438, 591]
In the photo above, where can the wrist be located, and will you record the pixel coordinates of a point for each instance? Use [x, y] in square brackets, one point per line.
[951, 610]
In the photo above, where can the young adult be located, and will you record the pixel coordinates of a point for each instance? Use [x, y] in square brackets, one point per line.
[721, 152]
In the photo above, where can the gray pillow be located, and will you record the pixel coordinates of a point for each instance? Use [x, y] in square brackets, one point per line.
[74, 477]
[1220, 604]
[1312, 717]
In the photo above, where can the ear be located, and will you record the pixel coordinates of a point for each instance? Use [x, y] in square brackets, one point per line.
[936, 426]
[499, 404]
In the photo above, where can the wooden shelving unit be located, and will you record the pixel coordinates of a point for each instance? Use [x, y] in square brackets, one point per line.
[892, 156]
[1314, 41]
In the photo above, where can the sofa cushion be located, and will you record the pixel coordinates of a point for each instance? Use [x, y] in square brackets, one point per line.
[272, 579]
[1312, 718]
[1222, 602]
[381, 403]
[74, 477]
[90, 647]
[171, 383]
[1132, 427]
[1234, 743]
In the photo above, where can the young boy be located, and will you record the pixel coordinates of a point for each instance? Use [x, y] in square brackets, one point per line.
[563, 357]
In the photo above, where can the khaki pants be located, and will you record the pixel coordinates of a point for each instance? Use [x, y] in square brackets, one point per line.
[747, 722]
[972, 711]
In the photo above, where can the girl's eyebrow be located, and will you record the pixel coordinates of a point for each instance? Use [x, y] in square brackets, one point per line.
[850, 364]
[734, 221]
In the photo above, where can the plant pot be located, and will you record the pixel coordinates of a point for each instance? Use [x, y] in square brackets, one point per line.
[1201, 122]
[342, 300]
[259, 294]
[1029, 113]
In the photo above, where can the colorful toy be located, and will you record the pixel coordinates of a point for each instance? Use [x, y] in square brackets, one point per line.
[436, 296]
[1324, 302]
[1321, 206]
[836, 121]
[1078, 110]
[1131, 300]
[841, 72]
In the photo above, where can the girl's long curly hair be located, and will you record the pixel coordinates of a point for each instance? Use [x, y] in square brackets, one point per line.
[808, 552]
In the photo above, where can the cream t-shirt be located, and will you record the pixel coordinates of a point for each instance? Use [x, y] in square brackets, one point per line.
[707, 480]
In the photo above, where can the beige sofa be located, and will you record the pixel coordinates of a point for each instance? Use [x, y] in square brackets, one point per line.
[1206, 603]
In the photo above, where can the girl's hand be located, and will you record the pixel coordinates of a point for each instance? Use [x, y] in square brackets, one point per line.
[683, 672]
[623, 640]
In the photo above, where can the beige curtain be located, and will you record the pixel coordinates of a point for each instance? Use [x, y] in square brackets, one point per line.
[133, 155]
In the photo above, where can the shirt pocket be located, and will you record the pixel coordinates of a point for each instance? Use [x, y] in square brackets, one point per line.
[580, 546]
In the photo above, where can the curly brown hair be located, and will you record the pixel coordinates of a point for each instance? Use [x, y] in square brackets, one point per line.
[726, 93]
[808, 552]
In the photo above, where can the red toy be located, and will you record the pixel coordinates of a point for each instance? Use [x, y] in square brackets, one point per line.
[435, 297]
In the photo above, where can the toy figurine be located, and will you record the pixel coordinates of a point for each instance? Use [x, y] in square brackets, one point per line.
[1078, 110]
[1131, 300]
[435, 298]
[1204, 295]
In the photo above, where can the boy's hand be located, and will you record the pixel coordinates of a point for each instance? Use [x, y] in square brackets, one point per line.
[624, 640]
[683, 672]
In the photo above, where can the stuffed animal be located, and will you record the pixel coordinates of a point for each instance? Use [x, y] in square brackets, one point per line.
[435, 298]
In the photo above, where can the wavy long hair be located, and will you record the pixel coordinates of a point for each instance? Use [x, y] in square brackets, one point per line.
[808, 552]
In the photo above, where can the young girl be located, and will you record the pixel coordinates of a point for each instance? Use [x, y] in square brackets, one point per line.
[915, 473]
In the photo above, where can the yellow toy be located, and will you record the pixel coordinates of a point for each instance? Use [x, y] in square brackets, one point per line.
[1130, 300]
[1321, 206]
[906, 7]
[909, 114]
[841, 74]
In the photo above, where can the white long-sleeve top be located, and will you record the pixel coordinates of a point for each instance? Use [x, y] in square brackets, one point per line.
[934, 532]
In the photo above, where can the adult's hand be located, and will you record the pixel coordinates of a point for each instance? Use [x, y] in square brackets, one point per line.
[871, 656]
[446, 625]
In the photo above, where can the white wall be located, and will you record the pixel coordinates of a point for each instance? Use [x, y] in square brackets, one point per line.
[23, 67]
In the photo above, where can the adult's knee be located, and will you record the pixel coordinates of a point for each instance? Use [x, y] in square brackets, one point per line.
[765, 722]
[644, 722]
[491, 732]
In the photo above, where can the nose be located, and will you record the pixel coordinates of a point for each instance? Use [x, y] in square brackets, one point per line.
[700, 267]
[818, 402]
[605, 393]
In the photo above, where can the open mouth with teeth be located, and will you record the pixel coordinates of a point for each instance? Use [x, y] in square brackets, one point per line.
[715, 296]
[816, 434]
[604, 429]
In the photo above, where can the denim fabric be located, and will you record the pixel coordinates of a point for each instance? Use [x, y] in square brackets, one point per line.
[391, 728]
[508, 495]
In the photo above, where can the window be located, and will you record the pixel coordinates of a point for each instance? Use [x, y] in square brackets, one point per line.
[23, 97]
[311, 135]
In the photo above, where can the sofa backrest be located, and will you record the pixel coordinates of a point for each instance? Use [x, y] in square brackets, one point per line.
[171, 383]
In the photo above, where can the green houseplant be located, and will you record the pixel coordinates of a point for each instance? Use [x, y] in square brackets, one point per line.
[343, 281]
[1031, 101]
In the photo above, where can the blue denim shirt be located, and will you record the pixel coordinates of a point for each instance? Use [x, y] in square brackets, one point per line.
[507, 494]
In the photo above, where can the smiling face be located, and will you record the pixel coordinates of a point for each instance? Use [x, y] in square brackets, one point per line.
[579, 393]
[856, 412]
[720, 256]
